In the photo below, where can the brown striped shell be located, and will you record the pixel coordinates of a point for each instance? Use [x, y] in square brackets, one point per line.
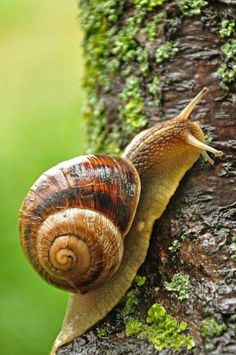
[74, 218]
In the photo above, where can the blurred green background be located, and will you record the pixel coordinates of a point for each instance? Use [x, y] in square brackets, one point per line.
[40, 107]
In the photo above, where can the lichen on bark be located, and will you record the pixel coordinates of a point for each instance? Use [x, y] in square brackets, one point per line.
[118, 68]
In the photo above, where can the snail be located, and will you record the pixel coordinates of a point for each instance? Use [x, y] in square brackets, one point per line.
[85, 225]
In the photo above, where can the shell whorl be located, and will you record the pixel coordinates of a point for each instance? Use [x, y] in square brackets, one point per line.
[75, 251]
[74, 218]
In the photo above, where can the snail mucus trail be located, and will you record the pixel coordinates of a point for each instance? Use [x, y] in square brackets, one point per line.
[85, 226]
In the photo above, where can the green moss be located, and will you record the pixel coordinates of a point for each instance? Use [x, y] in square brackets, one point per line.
[155, 90]
[112, 51]
[208, 138]
[192, 7]
[175, 246]
[96, 122]
[229, 49]
[211, 328]
[101, 332]
[132, 327]
[131, 299]
[133, 105]
[226, 74]
[149, 5]
[124, 45]
[98, 21]
[150, 30]
[167, 50]
[140, 280]
[132, 113]
[180, 285]
[130, 303]
[108, 49]
[227, 27]
[184, 236]
[101, 140]
[160, 329]
[143, 60]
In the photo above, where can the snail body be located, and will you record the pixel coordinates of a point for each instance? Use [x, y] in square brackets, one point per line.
[105, 191]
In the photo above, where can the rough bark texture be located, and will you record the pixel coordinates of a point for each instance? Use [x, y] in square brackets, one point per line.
[204, 207]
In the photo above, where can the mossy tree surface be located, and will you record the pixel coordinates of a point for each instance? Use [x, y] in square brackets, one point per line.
[145, 60]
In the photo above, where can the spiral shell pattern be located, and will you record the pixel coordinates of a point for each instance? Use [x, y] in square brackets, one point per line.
[74, 218]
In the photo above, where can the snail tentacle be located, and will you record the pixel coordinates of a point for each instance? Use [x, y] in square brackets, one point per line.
[190, 139]
[184, 115]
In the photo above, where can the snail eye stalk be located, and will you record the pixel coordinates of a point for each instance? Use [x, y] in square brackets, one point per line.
[184, 115]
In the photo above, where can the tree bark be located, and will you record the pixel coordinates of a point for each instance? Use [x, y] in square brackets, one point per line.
[203, 210]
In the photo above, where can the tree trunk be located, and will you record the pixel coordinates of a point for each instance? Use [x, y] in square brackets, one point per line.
[146, 60]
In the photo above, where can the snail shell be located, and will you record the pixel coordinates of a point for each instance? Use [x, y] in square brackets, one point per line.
[75, 217]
